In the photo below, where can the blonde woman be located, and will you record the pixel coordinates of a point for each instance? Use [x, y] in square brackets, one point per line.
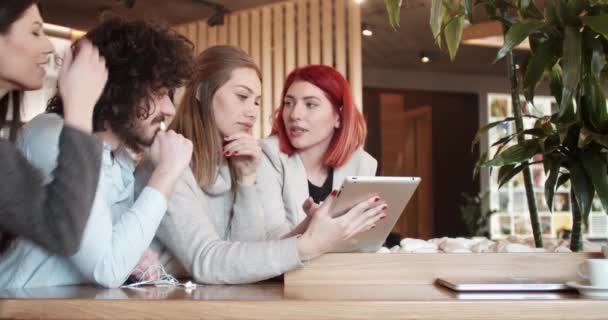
[214, 227]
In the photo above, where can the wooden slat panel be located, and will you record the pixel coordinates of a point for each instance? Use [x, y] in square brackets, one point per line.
[278, 56]
[355, 75]
[290, 37]
[256, 39]
[255, 54]
[233, 30]
[315, 32]
[181, 29]
[222, 33]
[193, 34]
[244, 34]
[340, 11]
[327, 32]
[266, 70]
[302, 23]
[202, 43]
[212, 36]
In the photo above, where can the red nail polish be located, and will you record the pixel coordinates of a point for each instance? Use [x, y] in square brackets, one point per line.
[376, 199]
[334, 193]
[382, 218]
[373, 226]
[227, 153]
[236, 152]
[384, 207]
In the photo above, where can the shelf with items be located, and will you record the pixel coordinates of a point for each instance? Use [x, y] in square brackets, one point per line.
[509, 202]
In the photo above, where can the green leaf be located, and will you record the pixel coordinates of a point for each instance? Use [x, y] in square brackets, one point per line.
[437, 16]
[571, 66]
[598, 58]
[483, 130]
[575, 7]
[541, 59]
[506, 173]
[482, 158]
[393, 10]
[551, 182]
[600, 139]
[503, 172]
[598, 23]
[550, 13]
[596, 168]
[515, 154]
[593, 105]
[504, 140]
[582, 187]
[516, 35]
[562, 179]
[556, 83]
[530, 11]
[453, 34]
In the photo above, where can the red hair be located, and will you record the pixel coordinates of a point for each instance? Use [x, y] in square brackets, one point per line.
[352, 131]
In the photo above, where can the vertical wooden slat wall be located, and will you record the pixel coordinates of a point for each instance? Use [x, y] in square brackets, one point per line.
[284, 35]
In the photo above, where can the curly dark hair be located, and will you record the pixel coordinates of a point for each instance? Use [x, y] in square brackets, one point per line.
[142, 57]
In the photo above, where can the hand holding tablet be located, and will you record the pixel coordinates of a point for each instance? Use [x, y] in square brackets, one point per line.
[395, 192]
[325, 231]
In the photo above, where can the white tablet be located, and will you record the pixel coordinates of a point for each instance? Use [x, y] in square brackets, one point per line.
[394, 191]
[501, 284]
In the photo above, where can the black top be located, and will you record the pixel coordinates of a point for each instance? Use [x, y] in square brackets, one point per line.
[319, 194]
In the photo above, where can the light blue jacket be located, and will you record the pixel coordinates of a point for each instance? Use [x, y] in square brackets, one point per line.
[119, 229]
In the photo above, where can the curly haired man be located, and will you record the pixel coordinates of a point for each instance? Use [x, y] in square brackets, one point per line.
[146, 62]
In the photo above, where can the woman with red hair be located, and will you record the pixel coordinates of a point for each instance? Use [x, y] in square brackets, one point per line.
[316, 141]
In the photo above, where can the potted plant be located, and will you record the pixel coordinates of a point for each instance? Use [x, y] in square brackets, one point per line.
[569, 44]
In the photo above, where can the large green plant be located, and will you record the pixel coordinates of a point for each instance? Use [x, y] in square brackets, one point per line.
[569, 44]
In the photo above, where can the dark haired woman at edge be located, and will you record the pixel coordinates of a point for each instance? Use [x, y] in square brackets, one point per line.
[52, 215]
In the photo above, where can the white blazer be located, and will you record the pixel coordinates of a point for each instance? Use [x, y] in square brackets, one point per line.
[283, 184]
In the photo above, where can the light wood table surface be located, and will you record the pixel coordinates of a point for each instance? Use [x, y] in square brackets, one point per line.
[271, 300]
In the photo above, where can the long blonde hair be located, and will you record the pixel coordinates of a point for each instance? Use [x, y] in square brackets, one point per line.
[195, 119]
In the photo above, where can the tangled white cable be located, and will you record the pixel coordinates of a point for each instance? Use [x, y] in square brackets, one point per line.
[164, 279]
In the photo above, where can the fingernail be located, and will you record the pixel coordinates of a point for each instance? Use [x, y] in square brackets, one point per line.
[384, 207]
[226, 137]
[376, 199]
[227, 153]
[334, 193]
[373, 226]
[236, 152]
[382, 218]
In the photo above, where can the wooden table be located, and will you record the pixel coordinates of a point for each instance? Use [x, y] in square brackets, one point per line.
[272, 300]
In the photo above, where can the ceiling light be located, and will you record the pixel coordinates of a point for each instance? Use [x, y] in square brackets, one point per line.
[425, 57]
[359, 1]
[366, 31]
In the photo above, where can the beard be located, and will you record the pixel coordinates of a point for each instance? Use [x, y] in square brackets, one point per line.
[136, 138]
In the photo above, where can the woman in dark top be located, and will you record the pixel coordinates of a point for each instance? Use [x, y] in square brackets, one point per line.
[52, 215]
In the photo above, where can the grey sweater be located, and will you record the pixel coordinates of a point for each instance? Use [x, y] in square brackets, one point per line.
[52, 215]
[218, 236]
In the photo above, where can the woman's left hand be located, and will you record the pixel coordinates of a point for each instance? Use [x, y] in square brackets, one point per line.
[244, 152]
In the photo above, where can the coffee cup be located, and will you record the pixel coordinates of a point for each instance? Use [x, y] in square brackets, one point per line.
[595, 271]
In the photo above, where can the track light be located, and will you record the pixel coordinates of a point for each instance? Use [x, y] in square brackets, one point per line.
[219, 11]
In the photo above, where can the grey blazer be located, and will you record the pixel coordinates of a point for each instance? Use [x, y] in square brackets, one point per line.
[283, 184]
